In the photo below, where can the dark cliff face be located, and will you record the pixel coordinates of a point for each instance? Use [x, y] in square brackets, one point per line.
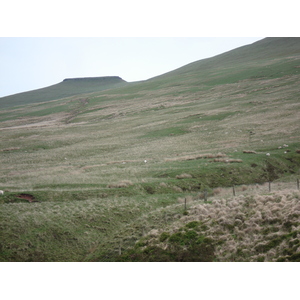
[104, 79]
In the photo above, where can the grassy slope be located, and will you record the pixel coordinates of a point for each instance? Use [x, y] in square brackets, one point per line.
[73, 153]
[66, 88]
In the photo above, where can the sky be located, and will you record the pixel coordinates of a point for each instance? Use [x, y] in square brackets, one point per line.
[28, 63]
[44, 42]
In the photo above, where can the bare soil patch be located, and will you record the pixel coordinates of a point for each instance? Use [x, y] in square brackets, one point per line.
[28, 197]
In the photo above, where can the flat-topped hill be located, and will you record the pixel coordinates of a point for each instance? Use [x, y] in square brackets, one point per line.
[68, 87]
[198, 164]
[97, 80]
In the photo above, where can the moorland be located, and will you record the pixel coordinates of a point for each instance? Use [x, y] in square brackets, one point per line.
[198, 164]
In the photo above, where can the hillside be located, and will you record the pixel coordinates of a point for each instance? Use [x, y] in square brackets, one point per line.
[267, 58]
[87, 176]
[68, 87]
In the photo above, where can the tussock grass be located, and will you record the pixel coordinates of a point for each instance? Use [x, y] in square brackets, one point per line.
[184, 175]
[228, 160]
[76, 152]
[196, 156]
[244, 228]
[121, 184]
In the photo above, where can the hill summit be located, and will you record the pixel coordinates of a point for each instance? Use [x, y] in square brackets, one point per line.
[68, 87]
[101, 80]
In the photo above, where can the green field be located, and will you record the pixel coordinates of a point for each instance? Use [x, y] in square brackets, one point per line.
[107, 171]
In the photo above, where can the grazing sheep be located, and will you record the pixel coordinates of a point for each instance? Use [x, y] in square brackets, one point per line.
[268, 154]
[1, 192]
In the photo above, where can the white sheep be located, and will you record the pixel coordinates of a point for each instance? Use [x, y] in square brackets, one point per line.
[1, 192]
[268, 154]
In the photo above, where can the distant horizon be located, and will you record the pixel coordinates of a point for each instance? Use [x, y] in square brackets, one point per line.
[33, 63]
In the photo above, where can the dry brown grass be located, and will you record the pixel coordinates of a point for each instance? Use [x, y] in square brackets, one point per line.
[228, 160]
[121, 184]
[196, 156]
[217, 191]
[248, 228]
[187, 199]
[177, 189]
[250, 151]
[244, 188]
[183, 176]
[10, 149]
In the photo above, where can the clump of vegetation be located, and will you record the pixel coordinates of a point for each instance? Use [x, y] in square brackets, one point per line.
[243, 228]
[228, 160]
[121, 184]
[182, 246]
[217, 191]
[184, 175]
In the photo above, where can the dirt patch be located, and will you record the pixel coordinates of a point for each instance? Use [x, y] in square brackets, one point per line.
[227, 160]
[28, 197]
[10, 149]
[84, 101]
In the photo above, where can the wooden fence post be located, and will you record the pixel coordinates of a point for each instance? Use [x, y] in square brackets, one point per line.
[269, 186]
[184, 204]
[233, 190]
[205, 195]
[298, 183]
[120, 248]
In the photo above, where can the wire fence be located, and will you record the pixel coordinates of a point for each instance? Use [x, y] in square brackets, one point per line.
[236, 190]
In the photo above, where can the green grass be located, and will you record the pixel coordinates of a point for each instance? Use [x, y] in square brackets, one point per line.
[72, 153]
[216, 231]
[165, 132]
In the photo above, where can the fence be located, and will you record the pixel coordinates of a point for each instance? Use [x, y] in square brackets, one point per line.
[246, 189]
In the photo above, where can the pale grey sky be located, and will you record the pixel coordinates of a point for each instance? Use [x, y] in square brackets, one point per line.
[133, 39]
[28, 63]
